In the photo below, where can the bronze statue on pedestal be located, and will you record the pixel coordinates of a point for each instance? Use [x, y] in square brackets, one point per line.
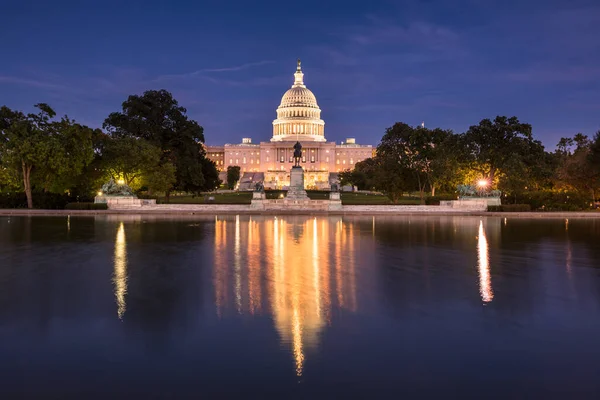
[297, 154]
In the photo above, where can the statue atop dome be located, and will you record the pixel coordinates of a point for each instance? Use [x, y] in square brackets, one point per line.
[299, 76]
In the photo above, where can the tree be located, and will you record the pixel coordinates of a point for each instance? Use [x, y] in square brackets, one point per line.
[504, 146]
[161, 178]
[157, 118]
[42, 150]
[443, 154]
[578, 164]
[362, 176]
[594, 156]
[428, 155]
[211, 175]
[233, 175]
[130, 158]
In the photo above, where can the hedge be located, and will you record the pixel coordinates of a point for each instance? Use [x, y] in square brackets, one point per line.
[435, 200]
[510, 208]
[86, 206]
[41, 200]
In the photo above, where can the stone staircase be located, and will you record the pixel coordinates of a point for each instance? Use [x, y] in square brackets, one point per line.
[249, 180]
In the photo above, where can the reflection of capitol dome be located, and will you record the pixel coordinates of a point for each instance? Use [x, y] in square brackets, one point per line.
[298, 115]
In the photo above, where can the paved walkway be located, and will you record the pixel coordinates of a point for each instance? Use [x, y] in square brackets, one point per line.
[214, 209]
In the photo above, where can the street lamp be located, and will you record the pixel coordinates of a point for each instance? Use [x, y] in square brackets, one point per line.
[482, 183]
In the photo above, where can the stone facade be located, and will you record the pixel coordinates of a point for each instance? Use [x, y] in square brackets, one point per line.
[298, 119]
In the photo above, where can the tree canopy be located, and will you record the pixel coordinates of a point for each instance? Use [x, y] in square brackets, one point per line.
[501, 146]
[233, 175]
[157, 118]
[46, 153]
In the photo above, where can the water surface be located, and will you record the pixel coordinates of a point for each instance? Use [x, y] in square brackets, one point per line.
[299, 307]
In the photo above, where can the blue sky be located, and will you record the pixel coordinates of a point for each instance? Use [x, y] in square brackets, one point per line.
[370, 64]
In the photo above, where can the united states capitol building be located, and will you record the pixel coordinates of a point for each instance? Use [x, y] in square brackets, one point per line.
[298, 119]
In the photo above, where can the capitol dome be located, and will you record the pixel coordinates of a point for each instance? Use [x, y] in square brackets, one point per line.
[298, 114]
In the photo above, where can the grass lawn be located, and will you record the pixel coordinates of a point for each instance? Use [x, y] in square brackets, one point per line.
[245, 197]
[219, 198]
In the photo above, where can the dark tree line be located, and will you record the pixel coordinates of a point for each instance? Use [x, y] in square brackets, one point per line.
[150, 144]
[502, 152]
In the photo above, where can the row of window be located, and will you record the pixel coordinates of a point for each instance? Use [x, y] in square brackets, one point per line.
[312, 159]
[237, 161]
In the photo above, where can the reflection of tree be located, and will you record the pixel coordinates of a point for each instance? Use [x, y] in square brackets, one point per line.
[163, 273]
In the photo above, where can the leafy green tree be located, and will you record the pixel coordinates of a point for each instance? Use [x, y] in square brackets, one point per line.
[429, 155]
[503, 146]
[10, 181]
[443, 155]
[160, 179]
[362, 176]
[578, 168]
[233, 175]
[130, 158]
[158, 118]
[41, 150]
[594, 155]
[211, 175]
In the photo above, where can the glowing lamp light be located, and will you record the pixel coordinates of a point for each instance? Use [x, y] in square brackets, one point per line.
[482, 183]
[100, 193]
[121, 182]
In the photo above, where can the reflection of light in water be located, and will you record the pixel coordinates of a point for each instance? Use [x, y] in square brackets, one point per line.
[254, 267]
[220, 273]
[238, 266]
[338, 263]
[485, 280]
[289, 265]
[120, 271]
[315, 265]
[373, 226]
[505, 221]
[569, 250]
[68, 223]
[297, 340]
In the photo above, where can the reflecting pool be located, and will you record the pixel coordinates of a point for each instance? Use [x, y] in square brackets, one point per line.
[299, 307]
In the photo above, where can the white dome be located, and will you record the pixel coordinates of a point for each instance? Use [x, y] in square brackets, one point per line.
[299, 97]
[298, 114]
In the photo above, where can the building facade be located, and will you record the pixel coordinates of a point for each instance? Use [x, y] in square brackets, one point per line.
[298, 119]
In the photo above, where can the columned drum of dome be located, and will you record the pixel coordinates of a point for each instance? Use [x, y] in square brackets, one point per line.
[298, 115]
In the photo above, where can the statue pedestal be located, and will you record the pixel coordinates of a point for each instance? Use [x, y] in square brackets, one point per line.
[258, 201]
[296, 190]
[123, 201]
[335, 201]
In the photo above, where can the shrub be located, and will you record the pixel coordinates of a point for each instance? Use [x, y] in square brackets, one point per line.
[86, 206]
[546, 200]
[510, 208]
[435, 200]
[41, 200]
[13, 200]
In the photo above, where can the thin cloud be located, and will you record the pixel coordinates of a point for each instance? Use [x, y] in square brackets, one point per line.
[202, 72]
[29, 82]
[236, 68]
